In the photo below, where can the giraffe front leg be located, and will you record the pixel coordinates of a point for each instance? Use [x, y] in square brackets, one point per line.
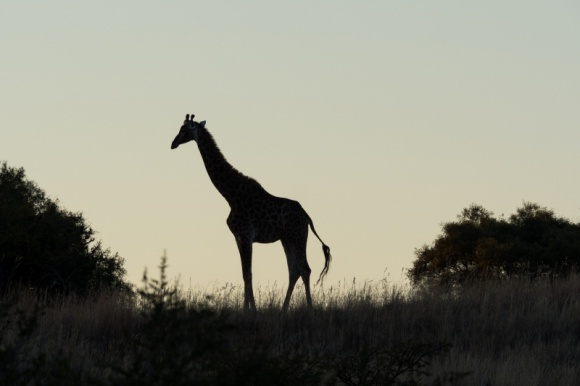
[245, 249]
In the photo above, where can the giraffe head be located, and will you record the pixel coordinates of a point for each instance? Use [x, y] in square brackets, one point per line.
[187, 132]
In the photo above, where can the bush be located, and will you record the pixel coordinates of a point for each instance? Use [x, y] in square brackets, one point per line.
[21, 361]
[47, 247]
[531, 242]
[177, 344]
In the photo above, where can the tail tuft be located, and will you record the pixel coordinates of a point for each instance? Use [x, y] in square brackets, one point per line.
[327, 260]
[327, 256]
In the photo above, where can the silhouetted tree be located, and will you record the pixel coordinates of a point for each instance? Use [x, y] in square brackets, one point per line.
[479, 246]
[45, 246]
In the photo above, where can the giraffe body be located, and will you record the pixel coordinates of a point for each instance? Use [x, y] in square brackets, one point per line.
[256, 215]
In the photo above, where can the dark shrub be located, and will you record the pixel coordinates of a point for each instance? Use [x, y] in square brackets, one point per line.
[533, 241]
[47, 247]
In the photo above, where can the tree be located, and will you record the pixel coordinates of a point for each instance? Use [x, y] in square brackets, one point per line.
[47, 247]
[478, 246]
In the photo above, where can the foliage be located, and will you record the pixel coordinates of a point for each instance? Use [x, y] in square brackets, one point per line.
[506, 332]
[47, 247]
[15, 328]
[181, 345]
[21, 362]
[533, 241]
[177, 344]
[261, 368]
[403, 364]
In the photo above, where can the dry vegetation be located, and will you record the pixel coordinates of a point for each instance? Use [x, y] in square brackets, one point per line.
[513, 332]
[502, 329]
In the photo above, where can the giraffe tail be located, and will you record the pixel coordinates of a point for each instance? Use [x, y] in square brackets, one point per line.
[327, 256]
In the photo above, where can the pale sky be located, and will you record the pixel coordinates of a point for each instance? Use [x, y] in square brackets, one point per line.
[384, 119]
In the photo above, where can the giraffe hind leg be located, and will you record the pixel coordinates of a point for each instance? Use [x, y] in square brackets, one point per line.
[306, 279]
[293, 279]
[297, 267]
[293, 273]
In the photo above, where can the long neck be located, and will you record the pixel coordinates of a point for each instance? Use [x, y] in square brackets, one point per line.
[227, 179]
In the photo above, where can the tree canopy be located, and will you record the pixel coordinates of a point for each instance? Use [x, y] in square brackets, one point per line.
[46, 246]
[533, 241]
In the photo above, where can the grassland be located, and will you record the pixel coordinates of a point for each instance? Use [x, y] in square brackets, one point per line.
[516, 332]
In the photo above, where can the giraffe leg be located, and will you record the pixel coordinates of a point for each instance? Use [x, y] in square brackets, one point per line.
[306, 279]
[245, 249]
[297, 267]
[304, 270]
[293, 272]
[302, 262]
[293, 278]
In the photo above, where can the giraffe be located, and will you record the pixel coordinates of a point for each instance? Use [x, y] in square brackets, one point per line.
[256, 216]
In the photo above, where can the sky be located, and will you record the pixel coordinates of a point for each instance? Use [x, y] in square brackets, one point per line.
[384, 119]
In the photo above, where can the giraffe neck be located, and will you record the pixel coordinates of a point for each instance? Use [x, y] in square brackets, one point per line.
[227, 179]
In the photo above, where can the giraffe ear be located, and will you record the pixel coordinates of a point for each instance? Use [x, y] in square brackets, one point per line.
[202, 123]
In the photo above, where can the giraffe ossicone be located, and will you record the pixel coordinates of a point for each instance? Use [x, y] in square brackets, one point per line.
[256, 216]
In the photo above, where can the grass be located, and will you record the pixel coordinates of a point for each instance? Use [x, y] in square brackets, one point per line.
[493, 333]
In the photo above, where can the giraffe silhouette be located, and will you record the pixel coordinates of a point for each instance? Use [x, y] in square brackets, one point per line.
[256, 216]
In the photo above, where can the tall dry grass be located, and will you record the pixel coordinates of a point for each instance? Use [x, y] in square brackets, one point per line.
[515, 332]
